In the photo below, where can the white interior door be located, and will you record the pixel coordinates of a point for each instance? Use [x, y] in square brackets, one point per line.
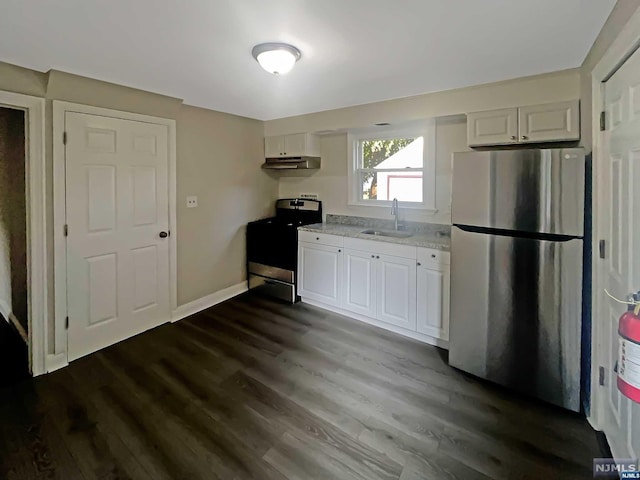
[619, 211]
[117, 206]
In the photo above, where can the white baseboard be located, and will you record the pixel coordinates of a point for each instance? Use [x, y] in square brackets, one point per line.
[386, 326]
[56, 362]
[203, 303]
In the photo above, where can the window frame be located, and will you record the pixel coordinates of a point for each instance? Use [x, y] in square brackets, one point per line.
[427, 130]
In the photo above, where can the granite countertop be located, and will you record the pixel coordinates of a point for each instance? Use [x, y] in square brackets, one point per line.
[427, 239]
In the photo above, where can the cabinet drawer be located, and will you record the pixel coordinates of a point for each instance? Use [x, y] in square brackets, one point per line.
[381, 248]
[321, 238]
[433, 257]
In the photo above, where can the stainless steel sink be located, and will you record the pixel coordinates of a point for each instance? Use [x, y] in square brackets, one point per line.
[387, 233]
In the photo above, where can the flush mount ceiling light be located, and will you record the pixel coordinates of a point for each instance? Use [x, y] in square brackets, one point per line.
[276, 58]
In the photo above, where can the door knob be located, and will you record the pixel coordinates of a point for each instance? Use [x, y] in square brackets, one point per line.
[164, 234]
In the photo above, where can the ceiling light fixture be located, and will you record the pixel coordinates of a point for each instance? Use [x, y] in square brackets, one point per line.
[276, 58]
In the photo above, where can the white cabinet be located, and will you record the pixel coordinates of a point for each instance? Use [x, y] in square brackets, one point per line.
[548, 123]
[359, 275]
[294, 145]
[433, 284]
[553, 122]
[396, 291]
[398, 287]
[496, 127]
[320, 273]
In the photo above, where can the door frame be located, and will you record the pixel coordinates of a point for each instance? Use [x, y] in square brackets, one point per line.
[37, 291]
[57, 356]
[625, 44]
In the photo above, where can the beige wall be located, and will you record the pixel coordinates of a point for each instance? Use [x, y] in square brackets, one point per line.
[449, 107]
[13, 219]
[219, 158]
[552, 87]
[621, 13]
[331, 184]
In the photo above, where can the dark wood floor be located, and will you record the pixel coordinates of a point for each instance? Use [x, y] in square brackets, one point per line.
[257, 389]
[14, 357]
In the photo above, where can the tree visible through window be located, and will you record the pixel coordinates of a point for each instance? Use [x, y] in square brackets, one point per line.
[391, 168]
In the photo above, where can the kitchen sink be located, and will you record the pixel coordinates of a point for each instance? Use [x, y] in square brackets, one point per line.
[387, 233]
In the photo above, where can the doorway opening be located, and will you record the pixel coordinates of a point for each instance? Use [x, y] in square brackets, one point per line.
[14, 326]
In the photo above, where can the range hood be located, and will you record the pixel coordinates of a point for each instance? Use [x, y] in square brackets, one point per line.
[292, 163]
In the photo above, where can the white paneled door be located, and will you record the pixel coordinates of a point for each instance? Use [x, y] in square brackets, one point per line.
[118, 225]
[620, 210]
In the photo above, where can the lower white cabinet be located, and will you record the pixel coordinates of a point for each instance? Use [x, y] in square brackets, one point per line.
[433, 301]
[359, 275]
[396, 291]
[320, 273]
[404, 289]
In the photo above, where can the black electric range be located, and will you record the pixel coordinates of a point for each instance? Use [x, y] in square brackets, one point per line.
[272, 247]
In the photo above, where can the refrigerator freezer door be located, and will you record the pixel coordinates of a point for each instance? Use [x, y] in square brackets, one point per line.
[524, 190]
[516, 313]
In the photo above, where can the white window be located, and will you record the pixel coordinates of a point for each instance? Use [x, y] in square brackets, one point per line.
[388, 164]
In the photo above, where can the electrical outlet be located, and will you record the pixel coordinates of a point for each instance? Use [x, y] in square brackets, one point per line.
[192, 202]
[309, 196]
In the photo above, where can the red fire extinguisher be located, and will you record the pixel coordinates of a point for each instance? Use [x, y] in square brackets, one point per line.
[629, 352]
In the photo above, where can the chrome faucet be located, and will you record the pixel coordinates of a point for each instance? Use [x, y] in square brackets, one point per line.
[395, 211]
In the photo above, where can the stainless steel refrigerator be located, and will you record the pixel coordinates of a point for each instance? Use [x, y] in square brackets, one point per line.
[516, 269]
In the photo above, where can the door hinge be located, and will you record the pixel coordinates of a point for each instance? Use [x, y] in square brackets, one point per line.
[64, 138]
[601, 373]
[66, 230]
[602, 246]
[66, 323]
[603, 121]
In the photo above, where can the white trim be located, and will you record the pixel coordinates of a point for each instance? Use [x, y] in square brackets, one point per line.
[209, 301]
[426, 129]
[56, 362]
[386, 326]
[626, 41]
[37, 254]
[59, 213]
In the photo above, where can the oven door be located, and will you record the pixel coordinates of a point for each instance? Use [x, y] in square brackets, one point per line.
[273, 245]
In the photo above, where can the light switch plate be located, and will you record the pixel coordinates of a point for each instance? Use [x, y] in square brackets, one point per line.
[192, 201]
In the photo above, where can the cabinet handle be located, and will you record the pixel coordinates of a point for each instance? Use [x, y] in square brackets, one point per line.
[433, 255]
[317, 238]
[377, 256]
[419, 264]
[513, 137]
[524, 137]
[339, 250]
[373, 256]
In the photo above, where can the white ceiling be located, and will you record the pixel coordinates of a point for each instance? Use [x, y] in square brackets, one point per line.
[353, 51]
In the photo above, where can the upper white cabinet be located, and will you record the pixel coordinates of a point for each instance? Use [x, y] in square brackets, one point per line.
[552, 122]
[493, 128]
[294, 145]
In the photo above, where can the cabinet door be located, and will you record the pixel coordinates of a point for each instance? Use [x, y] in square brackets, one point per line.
[359, 282]
[274, 146]
[433, 302]
[495, 127]
[552, 122]
[295, 145]
[319, 273]
[396, 291]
